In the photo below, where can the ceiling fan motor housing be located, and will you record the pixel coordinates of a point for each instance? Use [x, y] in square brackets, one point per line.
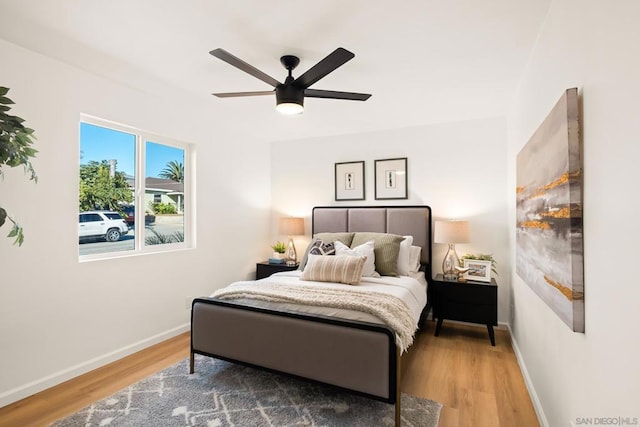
[288, 93]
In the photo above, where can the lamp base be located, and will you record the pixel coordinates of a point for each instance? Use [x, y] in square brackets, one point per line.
[450, 263]
[291, 256]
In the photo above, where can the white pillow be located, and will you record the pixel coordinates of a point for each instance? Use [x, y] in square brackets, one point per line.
[365, 249]
[414, 259]
[403, 256]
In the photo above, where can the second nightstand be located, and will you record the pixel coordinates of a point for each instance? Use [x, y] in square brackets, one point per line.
[264, 269]
[470, 301]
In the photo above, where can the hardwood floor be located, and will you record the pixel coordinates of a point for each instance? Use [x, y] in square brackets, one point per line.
[479, 385]
[69, 397]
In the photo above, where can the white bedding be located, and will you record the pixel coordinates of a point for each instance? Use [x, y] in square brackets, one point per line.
[410, 290]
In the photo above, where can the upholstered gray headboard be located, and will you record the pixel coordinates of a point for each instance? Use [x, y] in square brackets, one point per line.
[403, 220]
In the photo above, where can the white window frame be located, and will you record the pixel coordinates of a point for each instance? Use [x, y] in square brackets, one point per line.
[141, 138]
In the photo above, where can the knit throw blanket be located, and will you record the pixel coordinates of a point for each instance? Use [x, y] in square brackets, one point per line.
[388, 308]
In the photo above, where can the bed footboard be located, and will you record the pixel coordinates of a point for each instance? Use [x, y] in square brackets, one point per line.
[357, 356]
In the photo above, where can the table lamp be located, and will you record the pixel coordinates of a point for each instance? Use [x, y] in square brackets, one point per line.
[291, 227]
[451, 232]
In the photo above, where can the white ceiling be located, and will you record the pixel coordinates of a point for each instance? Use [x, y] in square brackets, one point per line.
[424, 61]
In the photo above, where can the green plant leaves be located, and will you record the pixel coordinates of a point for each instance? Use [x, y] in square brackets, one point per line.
[279, 247]
[15, 150]
[16, 231]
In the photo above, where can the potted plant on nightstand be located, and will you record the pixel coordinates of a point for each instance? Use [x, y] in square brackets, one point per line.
[279, 249]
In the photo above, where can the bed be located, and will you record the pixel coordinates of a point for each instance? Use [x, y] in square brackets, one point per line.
[358, 355]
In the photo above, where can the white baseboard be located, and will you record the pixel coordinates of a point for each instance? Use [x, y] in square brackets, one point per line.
[59, 377]
[542, 419]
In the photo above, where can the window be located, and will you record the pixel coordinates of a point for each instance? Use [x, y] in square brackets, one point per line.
[119, 210]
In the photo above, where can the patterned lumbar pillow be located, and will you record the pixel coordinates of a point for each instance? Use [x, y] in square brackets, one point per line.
[337, 269]
[318, 247]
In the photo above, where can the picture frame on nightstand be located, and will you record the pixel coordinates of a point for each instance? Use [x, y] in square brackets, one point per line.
[479, 270]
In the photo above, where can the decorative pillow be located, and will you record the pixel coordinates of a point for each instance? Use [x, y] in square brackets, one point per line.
[386, 249]
[345, 238]
[328, 238]
[414, 259]
[366, 250]
[338, 269]
[318, 247]
[403, 255]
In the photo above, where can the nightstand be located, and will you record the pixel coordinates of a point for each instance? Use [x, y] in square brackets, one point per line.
[264, 269]
[470, 301]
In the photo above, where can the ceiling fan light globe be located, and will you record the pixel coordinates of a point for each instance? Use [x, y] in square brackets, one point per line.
[289, 108]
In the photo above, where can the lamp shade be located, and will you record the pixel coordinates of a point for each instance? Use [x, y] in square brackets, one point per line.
[451, 232]
[291, 226]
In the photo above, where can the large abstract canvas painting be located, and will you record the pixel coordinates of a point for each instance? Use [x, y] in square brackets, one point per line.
[549, 249]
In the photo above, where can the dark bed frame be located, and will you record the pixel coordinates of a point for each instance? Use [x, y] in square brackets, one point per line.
[359, 357]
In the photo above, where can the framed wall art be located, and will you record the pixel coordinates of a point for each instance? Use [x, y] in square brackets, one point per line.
[391, 178]
[479, 270]
[549, 235]
[349, 181]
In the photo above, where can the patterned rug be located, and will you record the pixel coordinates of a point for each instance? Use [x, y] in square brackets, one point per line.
[224, 394]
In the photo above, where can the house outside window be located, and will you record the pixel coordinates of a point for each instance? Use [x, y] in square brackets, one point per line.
[155, 210]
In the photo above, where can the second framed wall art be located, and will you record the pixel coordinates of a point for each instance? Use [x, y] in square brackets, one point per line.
[391, 178]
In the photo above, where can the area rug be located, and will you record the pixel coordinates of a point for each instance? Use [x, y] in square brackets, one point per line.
[221, 394]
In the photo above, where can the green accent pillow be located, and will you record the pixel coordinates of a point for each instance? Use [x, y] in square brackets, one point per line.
[385, 247]
[326, 238]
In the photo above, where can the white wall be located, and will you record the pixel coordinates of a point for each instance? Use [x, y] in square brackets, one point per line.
[59, 317]
[459, 169]
[592, 45]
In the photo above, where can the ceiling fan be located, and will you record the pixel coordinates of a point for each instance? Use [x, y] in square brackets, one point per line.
[290, 94]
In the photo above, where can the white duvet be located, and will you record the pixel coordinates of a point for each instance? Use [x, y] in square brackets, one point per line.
[408, 295]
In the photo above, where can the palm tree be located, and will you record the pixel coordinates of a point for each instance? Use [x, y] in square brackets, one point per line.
[173, 171]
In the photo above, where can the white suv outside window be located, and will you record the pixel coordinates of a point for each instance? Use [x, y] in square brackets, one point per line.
[106, 224]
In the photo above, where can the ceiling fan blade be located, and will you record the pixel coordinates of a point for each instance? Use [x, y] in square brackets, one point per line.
[317, 93]
[238, 94]
[332, 61]
[240, 64]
